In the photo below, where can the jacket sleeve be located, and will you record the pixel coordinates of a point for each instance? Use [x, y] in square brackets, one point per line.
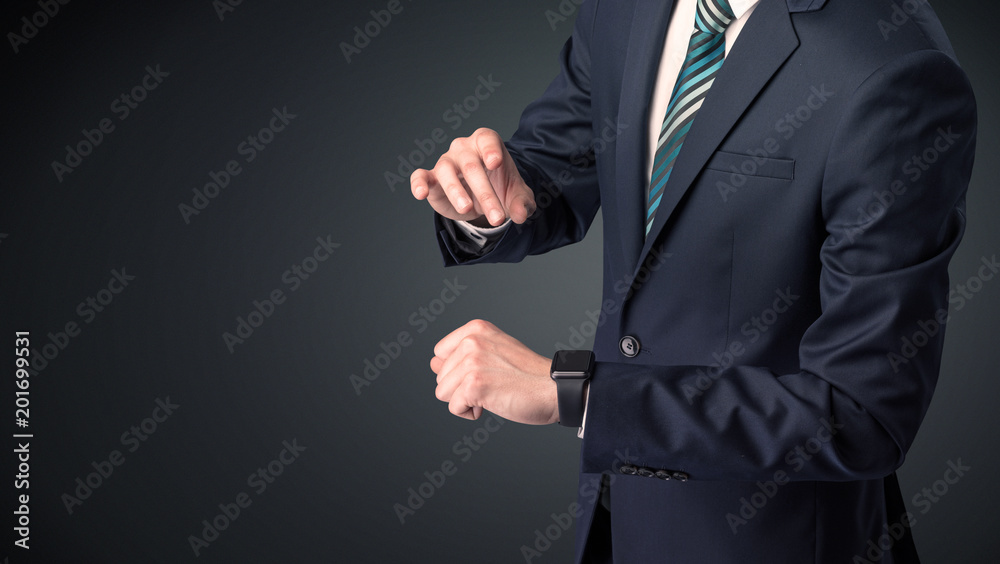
[550, 148]
[902, 151]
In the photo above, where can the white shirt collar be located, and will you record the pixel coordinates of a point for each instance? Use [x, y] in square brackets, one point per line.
[740, 7]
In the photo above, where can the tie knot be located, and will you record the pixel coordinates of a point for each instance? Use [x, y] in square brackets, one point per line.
[713, 16]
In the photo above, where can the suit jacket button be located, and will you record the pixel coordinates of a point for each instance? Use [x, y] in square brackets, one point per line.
[646, 473]
[662, 474]
[628, 469]
[629, 346]
[680, 476]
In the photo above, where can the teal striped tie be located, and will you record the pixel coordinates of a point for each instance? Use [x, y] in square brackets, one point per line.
[705, 54]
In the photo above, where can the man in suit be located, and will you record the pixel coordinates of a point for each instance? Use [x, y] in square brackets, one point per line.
[782, 185]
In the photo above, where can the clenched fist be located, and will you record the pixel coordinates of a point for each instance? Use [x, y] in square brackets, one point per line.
[480, 367]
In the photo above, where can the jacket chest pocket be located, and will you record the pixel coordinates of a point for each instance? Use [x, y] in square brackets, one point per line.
[731, 174]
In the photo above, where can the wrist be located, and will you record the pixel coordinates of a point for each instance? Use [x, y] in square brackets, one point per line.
[552, 393]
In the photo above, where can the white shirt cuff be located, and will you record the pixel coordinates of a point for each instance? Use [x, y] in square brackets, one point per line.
[482, 235]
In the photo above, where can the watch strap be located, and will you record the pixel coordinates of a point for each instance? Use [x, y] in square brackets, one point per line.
[570, 391]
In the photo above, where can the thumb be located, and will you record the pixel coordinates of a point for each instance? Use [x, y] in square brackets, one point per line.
[520, 201]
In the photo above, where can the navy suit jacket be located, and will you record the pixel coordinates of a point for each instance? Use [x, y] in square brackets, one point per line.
[790, 299]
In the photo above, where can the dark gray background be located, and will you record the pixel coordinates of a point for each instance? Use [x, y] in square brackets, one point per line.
[323, 176]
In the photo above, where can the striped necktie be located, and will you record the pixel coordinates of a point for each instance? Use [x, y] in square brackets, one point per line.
[705, 54]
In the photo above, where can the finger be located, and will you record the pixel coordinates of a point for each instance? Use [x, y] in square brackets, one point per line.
[420, 182]
[447, 177]
[448, 382]
[459, 405]
[465, 412]
[456, 367]
[436, 364]
[481, 187]
[446, 346]
[467, 400]
[522, 204]
[491, 148]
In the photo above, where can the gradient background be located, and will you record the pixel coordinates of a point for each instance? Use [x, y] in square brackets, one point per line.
[324, 176]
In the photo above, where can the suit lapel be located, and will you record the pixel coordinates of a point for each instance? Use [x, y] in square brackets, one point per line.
[649, 30]
[761, 48]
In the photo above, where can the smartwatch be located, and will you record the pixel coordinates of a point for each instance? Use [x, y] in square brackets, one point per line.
[571, 370]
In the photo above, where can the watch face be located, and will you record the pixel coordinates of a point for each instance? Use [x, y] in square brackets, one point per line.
[572, 364]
